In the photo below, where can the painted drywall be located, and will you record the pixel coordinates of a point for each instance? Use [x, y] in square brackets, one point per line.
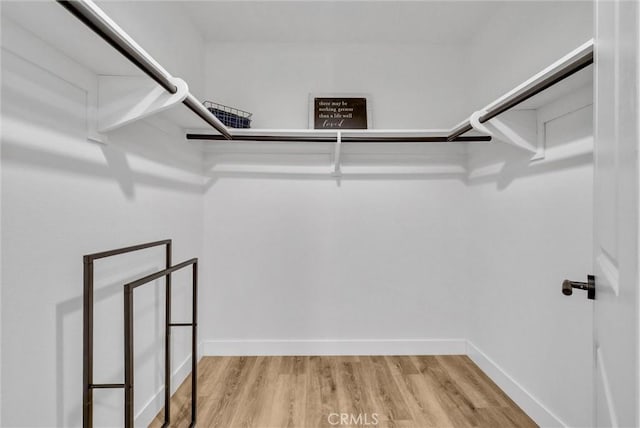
[536, 218]
[319, 248]
[532, 229]
[520, 39]
[303, 259]
[328, 257]
[166, 33]
[410, 85]
[63, 197]
[364, 259]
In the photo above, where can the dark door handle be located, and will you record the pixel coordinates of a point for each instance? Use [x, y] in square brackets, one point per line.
[590, 286]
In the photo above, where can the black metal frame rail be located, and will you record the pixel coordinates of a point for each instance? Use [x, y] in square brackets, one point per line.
[128, 385]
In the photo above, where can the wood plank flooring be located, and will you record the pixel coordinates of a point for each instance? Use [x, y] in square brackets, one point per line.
[359, 391]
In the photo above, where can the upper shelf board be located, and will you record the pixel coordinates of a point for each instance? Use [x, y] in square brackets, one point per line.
[52, 23]
[561, 89]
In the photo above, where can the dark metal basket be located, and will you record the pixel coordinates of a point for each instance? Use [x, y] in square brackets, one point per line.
[232, 117]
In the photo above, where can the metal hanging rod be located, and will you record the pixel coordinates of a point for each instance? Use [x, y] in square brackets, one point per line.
[196, 106]
[333, 138]
[98, 21]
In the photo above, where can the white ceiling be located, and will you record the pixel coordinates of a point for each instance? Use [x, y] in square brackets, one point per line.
[439, 22]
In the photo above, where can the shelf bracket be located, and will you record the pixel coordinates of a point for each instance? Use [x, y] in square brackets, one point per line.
[516, 127]
[337, 171]
[126, 99]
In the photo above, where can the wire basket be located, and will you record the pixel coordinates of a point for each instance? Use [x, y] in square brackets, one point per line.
[232, 117]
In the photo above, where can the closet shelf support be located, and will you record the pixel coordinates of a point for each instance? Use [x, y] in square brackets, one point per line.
[98, 21]
[336, 156]
[126, 99]
[515, 127]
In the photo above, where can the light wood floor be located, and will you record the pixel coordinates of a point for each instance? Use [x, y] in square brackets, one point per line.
[301, 392]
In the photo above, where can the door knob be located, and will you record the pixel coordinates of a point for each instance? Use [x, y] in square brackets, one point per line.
[590, 286]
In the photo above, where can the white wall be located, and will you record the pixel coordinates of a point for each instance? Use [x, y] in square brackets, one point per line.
[532, 222]
[520, 39]
[366, 260]
[301, 259]
[411, 85]
[166, 33]
[532, 228]
[484, 262]
[64, 197]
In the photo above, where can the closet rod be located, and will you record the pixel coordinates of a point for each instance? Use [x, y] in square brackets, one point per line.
[196, 106]
[577, 63]
[94, 18]
[344, 139]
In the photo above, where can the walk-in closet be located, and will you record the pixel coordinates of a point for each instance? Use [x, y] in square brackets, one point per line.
[319, 213]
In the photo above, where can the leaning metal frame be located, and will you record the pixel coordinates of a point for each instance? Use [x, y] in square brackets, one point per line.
[88, 385]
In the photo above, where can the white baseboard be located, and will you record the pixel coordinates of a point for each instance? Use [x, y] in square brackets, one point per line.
[527, 402]
[156, 403]
[335, 347]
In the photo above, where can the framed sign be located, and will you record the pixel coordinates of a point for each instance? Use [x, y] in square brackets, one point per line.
[339, 111]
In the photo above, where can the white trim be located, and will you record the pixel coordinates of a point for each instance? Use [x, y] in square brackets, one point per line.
[123, 100]
[570, 103]
[523, 398]
[335, 347]
[515, 127]
[637, 273]
[156, 403]
[610, 271]
[1, 139]
[567, 104]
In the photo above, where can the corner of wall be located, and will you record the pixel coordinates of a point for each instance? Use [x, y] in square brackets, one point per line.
[523, 398]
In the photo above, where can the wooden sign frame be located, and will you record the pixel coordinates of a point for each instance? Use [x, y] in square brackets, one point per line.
[335, 97]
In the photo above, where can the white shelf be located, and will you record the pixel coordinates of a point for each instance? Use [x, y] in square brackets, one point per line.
[51, 22]
[561, 89]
